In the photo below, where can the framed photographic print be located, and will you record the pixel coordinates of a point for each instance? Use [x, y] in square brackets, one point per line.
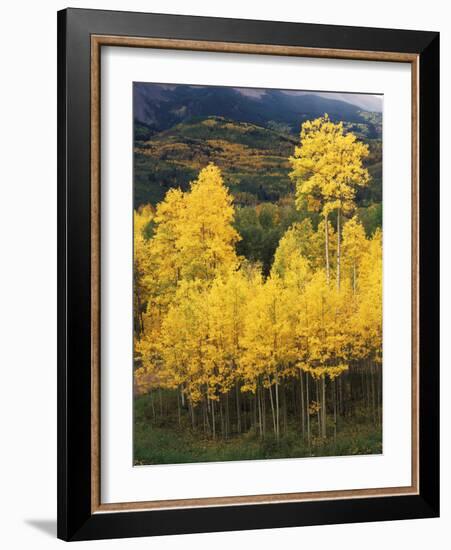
[248, 274]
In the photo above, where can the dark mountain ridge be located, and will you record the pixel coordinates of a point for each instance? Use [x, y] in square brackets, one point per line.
[159, 107]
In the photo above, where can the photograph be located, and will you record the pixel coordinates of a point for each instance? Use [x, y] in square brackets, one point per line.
[257, 273]
[248, 272]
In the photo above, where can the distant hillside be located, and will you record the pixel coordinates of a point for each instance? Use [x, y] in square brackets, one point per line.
[253, 159]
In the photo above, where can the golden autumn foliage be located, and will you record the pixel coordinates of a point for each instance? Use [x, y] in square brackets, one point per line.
[327, 166]
[207, 323]
[327, 169]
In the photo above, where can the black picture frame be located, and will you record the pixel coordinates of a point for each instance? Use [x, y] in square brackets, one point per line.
[75, 518]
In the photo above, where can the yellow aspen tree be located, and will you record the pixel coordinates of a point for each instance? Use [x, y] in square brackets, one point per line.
[141, 264]
[159, 278]
[182, 343]
[227, 303]
[368, 322]
[327, 169]
[354, 246]
[193, 240]
[323, 332]
[207, 238]
[292, 251]
[199, 339]
[164, 249]
[369, 318]
[267, 343]
[317, 246]
[294, 269]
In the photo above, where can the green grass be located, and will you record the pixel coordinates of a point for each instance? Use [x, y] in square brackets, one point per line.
[161, 441]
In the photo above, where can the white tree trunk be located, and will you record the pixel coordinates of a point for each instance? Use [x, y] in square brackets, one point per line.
[338, 247]
[326, 229]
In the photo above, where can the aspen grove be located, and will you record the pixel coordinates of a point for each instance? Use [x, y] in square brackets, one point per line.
[223, 349]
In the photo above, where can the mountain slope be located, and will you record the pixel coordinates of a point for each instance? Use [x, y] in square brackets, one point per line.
[253, 159]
